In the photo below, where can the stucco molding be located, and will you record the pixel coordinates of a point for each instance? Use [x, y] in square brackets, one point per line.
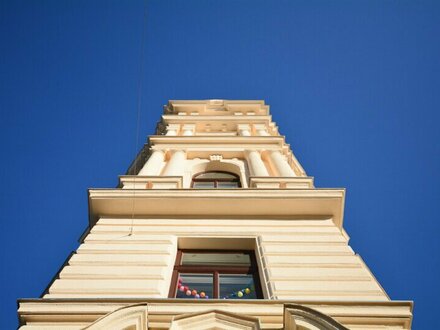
[305, 318]
[83, 310]
[215, 319]
[220, 141]
[134, 317]
[219, 107]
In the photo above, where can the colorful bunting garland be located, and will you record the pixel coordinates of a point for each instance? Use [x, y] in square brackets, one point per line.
[192, 292]
[238, 294]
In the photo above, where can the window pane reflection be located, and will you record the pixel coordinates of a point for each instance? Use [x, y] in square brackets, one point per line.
[218, 259]
[237, 287]
[203, 185]
[227, 185]
[195, 286]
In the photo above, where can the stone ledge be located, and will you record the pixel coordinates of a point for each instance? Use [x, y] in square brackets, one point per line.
[281, 182]
[218, 203]
[150, 182]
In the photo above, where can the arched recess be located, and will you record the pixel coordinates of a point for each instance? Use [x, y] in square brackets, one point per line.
[221, 166]
[297, 317]
[132, 317]
[215, 319]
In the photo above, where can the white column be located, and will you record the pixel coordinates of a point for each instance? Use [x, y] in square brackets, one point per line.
[280, 163]
[172, 130]
[244, 130]
[188, 130]
[154, 163]
[261, 130]
[256, 164]
[176, 164]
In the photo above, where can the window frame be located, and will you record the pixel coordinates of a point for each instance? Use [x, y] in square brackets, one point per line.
[216, 181]
[216, 271]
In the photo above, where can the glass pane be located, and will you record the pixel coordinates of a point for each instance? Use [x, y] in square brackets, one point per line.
[203, 185]
[195, 286]
[218, 259]
[216, 175]
[237, 287]
[227, 185]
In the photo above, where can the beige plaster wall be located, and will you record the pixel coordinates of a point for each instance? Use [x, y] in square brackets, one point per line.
[299, 259]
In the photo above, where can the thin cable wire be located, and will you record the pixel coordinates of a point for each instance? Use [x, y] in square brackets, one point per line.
[139, 107]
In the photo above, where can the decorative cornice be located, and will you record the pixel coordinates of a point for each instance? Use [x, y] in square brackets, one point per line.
[393, 313]
[216, 140]
[215, 203]
[217, 107]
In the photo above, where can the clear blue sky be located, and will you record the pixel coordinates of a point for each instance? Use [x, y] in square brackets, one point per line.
[354, 85]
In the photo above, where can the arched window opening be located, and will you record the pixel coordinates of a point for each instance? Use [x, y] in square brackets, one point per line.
[215, 180]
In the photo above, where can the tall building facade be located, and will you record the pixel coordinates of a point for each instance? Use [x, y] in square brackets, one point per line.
[215, 226]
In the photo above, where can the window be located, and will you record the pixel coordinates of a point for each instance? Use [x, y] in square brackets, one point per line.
[212, 180]
[212, 274]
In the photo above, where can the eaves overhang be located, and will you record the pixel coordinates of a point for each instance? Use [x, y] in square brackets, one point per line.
[218, 203]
